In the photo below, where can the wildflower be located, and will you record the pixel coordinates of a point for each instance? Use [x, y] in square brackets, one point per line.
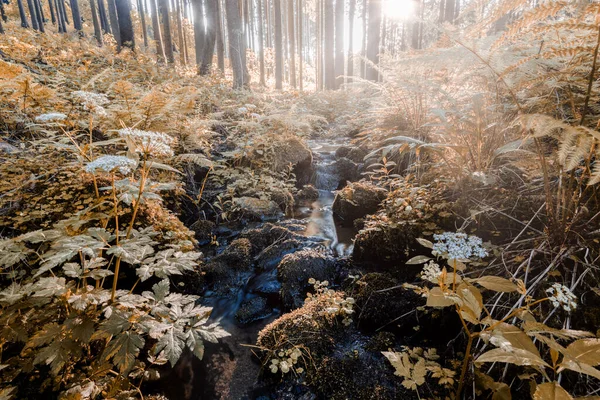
[92, 101]
[148, 142]
[431, 272]
[560, 295]
[49, 117]
[285, 367]
[242, 110]
[111, 163]
[458, 246]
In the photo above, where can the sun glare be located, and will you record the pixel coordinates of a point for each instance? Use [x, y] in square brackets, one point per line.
[398, 9]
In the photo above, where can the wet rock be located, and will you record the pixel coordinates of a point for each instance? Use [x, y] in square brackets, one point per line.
[253, 310]
[267, 235]
[308, 193]
[271, 256]
[228, 271]
[292, 150]
[297, 268]
[357, 154]
[342, 151]
[256, 209]
[284, 199]
[203, 230]
[357, 200]
[347, 170]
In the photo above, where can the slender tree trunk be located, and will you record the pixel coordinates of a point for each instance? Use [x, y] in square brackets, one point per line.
[1, 27]
[114, 22]
[260, 42]
[76, 15]
[126, 32]
[416, 28]
[163, 8]
[237, 47]
[299, 10]
[292, 42]
[3, 13]
[142, 14]
[268, 21]
[339, 42]
[60, 15]
[96, 21]
[65, 15]
[319, 53]
[251, 25]
[32, 14]
[160, 50]
[103, 17]
[50, 5]
[374, 39]
[329, 49]
[363, 62]
[199, 31]
[220, 41]
[180, 33]
[351, 12]
[184, 31]
[449, 13]
[208, 51]
[39, 14]
[278, 46]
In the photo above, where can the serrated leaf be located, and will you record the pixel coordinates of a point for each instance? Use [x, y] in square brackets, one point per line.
[171, 343]
[124, 349]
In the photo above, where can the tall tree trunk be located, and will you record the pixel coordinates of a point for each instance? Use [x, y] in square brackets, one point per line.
[268, 21]
[416, 28]
[76, 15]
[220, 41]
[328, 48]
[292, 42]
[449, 13]
[1, 27]
[3, 13]
[351, 12]
[300, 12]
[199, 31]
[260, 42]
[60, 15]
[321, 30]
[339, 42]
[96, 21]
[126, 32]
[39, 14]
[374, 38]
[103, 17]
[163, 8]
[114, 22]
[64, 9]
[363, 63]
[142, 14]
[237, 46]
[50, 5]
[212, 16]
[34, 21]
[180, 32]
[251, 14]
[278, 46]
[160, 50]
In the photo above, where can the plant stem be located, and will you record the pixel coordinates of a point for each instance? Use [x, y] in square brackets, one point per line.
[139, 198]
[118, 262]
[591, 80]
[463, 371]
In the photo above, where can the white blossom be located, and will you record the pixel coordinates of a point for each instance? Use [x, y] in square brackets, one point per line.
[457, 245]
[148, 142]
[111, 163]
[49, 117]
[431, 272]
[560, 295]
[91, 101]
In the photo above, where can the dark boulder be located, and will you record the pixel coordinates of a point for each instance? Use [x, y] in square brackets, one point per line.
[356, 201]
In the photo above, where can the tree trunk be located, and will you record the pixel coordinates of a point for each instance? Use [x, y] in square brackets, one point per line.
[237, 46]
[76, 15]
[3, 13]
[50, 5]
[339, 42]
[351, 12]
[292, 42]
[363, 63]
[163, 8]
[125, 24]
[260, 42]
[34, 23]
[160, 50]
[103, 17]
[60, 16]
[208, 50]
[1, 27]
[199, 32]
[300, 45]
[220, 41]
[328, 48]
[96, 21]
[320, 30]
[114, 22]
[142, 14]
[449, 13]
[278, 46]
[22, 14]
[64, 9]
[182, 48]
[416, 29]
[39, 14]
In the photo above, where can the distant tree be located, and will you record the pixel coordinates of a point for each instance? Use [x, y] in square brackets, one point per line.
[39, 14]
[126, 32]
[142, 14]
[220, 41]
[417, 26]
[52, 13]
[103, 17]
[351, 12]
[160, 50]
[32, 14]
[1, 27]
[163, 9]
[340, 15]
[363, 63]
[114, 22]
[300, 44]
[76, 15]
[278, 46]
[260, 42]
[22, 14]
[328, 47]
[237, 45]
[3, 12]
[292, 42]
[61, 15]
[199, 31]
[96, 21]
[180, 37]
[210, 37]
[373, 39]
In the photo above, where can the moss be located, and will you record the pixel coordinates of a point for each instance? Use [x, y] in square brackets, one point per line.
[356, 201]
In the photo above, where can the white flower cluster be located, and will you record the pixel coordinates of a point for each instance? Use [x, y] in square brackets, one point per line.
[458, 245]
[560, 295]
[49, 117]
[148, 142]
[286, 361]
[91, 101]
[431, 272]
[111, 163]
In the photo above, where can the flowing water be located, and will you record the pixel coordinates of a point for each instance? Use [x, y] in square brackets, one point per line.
[228, 370]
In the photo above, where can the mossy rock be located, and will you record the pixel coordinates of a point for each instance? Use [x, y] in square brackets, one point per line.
[356, 201]
[297, 268]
